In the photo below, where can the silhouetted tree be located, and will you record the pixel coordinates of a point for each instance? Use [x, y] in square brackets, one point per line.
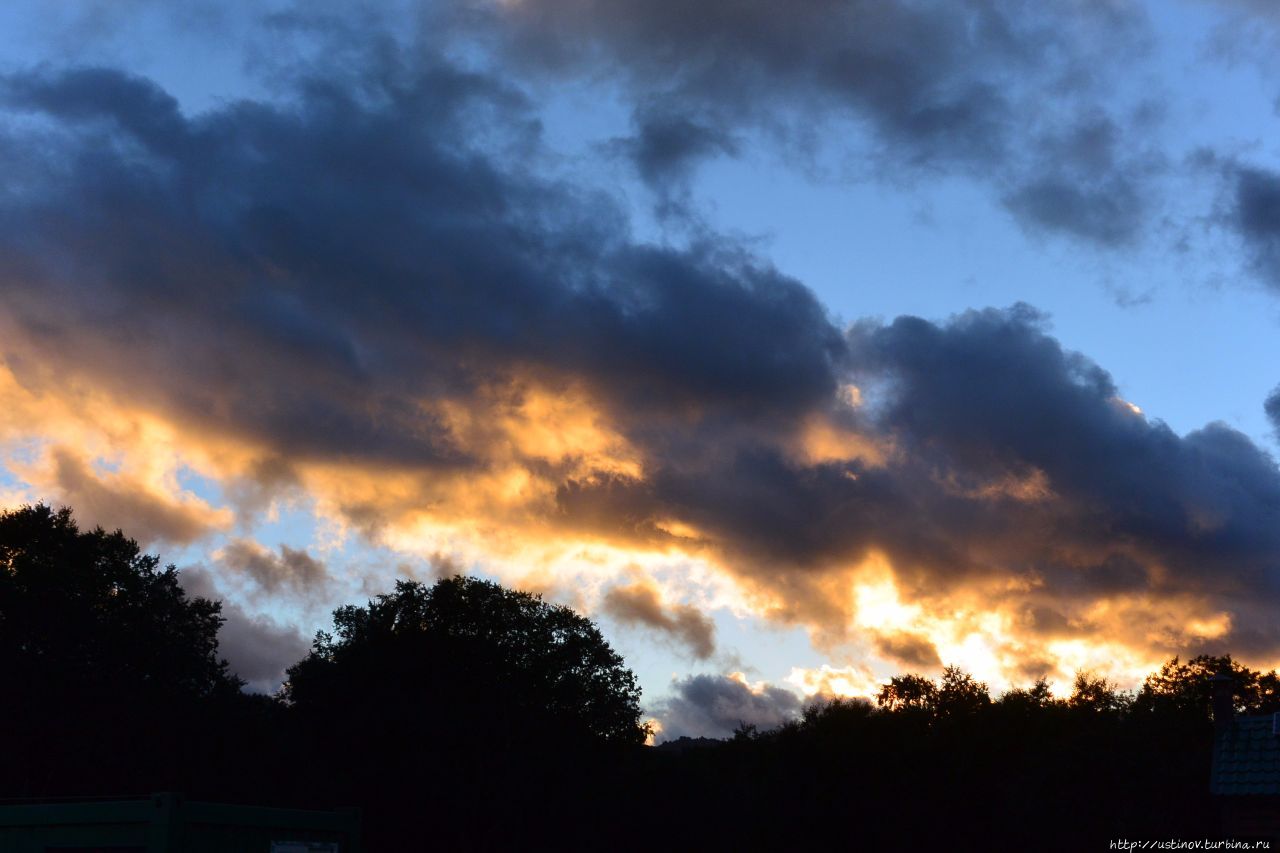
[99, 648]
[455, 696]
[960, 694]
[1094, 693]
[89, 609]
[474, 640]
[1184, 688]
[835, 711]
[1035, 698]
[909, 692]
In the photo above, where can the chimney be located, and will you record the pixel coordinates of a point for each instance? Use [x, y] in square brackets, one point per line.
[1223, 701]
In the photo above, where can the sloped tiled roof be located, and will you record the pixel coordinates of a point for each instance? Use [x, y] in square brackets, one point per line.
[1246, 758]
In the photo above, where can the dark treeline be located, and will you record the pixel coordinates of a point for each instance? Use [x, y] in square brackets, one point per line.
[467, 716]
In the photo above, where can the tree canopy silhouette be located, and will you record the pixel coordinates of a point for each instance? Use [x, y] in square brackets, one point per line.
[88, 610]
[472, 651]
[1184, 687]
[909, 692]
[105, 663]
[1096, 694]
[464, 694]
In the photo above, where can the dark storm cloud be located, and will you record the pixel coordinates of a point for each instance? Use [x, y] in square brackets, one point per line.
[991, 395]
[667, 146]
[1248, 208]
[1016, 93]
[666, 149]
[1092, 179]
[302, 274]
[1256, 217]
[1272, 407]
[716, 705]
[639, 604]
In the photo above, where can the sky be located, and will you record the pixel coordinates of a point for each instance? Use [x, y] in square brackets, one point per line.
[798, 345]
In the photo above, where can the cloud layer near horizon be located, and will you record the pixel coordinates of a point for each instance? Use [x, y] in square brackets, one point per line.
[373, 290]
[717, 706]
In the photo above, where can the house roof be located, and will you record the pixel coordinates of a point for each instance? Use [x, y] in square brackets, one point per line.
[1246, 757]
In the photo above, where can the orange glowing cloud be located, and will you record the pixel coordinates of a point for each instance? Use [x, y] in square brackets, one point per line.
[847, 682]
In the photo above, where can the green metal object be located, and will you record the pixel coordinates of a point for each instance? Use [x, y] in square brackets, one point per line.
[167, 823]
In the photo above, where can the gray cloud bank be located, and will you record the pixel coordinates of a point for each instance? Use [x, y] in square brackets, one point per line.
[256, 648]
[716, 705]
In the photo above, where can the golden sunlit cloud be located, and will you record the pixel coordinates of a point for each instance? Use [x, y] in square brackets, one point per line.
[1129, 408]
[821, 441]
[847, 682]
[525, 422]
[117, 468]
